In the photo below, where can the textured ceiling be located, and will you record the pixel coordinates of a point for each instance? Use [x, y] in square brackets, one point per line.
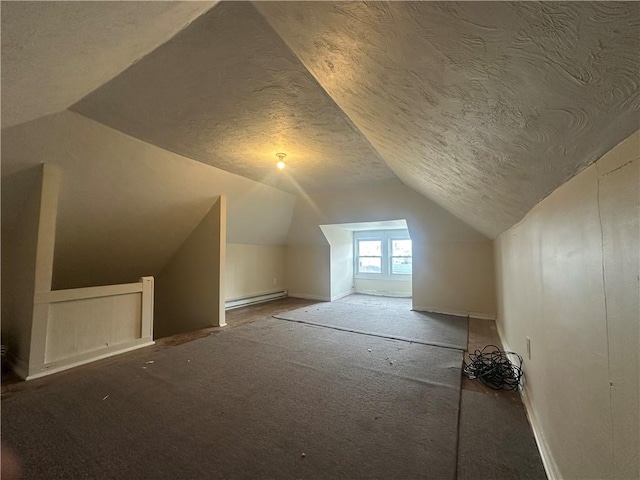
[228, 92]
[484, 107]
[54, 53]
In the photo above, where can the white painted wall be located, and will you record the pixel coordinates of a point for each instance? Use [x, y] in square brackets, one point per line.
[341, 253]
[126, 206]
[391, 288]
[190, 289]
[254, 270]
[568, 278]
[453, 263]
[88, 324]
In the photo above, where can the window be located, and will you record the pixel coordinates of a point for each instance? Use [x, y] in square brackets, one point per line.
[383, 254]
[369, 256]
[401, 256]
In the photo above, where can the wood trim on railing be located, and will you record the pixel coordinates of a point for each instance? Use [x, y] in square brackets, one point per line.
[56, 296]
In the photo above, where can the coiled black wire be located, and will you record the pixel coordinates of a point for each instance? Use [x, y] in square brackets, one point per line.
[494, 368]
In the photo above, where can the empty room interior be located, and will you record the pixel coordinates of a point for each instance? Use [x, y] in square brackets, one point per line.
[261, 239]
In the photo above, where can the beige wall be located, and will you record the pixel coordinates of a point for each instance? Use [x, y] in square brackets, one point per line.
[308, 271]
[48, 331]
[254, 270]
[568, 278]
[19, 242]
[454, 277]
[28, 243]
[453, 263]
[189, 290]
[126, 206]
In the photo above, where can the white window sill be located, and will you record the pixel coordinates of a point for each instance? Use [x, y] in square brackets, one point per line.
[395, 278]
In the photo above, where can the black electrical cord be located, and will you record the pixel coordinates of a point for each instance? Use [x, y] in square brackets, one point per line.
[494, 368]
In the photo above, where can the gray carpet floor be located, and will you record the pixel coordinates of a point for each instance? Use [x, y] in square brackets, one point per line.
[420, 327]
[496, 442]
[405, 303]
[270, 399]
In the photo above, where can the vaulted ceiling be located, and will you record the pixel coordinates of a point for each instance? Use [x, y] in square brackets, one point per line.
[55, 53]
[484, 108]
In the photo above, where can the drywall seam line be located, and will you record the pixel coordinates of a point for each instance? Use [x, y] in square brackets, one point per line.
[606, 314]
[379, 335]
[611, 171]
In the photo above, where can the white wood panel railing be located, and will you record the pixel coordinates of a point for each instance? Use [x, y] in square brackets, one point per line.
[77, 326]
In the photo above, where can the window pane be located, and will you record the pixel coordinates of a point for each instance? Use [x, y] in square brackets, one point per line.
[370, 248]
[401, 265]
[400, 248]
[370, 265]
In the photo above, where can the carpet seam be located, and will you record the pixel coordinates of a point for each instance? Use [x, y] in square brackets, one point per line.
[460, 405]
[379, 335]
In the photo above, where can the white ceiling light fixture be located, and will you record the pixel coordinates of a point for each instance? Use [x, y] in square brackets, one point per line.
[281, 157]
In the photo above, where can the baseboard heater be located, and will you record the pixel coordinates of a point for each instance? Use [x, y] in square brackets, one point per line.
[244, 301]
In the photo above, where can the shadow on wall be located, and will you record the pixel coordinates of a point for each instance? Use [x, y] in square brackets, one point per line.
[52, 330]
[190, 288]
[125, 245]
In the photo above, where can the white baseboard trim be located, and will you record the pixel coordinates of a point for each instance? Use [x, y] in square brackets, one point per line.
[44, 370]
[457, 313]
[550, 465]
[307, 296]
[378, 293]
[342, 295]
[253, 299]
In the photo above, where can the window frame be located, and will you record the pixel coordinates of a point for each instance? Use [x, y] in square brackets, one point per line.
[385, 237]
[358, 256]
[392, 256]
